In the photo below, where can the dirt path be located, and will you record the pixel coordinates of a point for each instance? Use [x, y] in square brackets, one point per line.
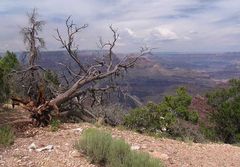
[172, 153]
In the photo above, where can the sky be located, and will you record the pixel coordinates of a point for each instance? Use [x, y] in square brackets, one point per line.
[167, 25]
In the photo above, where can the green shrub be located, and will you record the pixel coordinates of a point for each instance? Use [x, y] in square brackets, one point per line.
[95, 144]
[209, 132]
[138, 159]
[51, 77]
[150, 118]
[226, 118]
[193, 116]
[106, 151]
[55, 124]
[8, 63]
[6, 136]
[162, 116]
[119, 153]
[179, 105]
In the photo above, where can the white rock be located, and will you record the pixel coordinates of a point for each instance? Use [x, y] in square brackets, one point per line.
[164, 129]
[164, 156]
[144, 147]
[75, 153]
[32, 147]
[78, 130]
[161, 156]
[135, 147]
[48, 147]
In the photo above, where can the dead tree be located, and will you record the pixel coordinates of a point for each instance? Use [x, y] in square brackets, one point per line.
[30, 37]
[83, 82]
[31, 77]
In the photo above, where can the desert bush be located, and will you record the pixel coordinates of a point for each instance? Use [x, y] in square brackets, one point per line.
[6, 136]
[138, 159]
[55, 124]
[119, 154]
[185, 130]
[160, 117]
[226, 118]
[95, 144]
[106, 151]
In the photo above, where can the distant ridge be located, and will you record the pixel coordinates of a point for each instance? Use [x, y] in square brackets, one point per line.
[161, 73]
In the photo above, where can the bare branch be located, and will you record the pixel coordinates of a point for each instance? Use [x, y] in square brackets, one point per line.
[68, 43]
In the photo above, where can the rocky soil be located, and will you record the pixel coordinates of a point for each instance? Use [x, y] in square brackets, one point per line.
[61, 153]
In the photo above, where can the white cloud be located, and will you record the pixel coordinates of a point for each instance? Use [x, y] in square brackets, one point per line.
[131, 32]
[183, 23]
[163, 34]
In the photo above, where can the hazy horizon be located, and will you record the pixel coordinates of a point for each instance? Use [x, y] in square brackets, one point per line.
[136, 52]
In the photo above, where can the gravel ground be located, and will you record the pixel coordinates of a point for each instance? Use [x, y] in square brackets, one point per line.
[181, 154]
[172, 153]
[63, 153]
